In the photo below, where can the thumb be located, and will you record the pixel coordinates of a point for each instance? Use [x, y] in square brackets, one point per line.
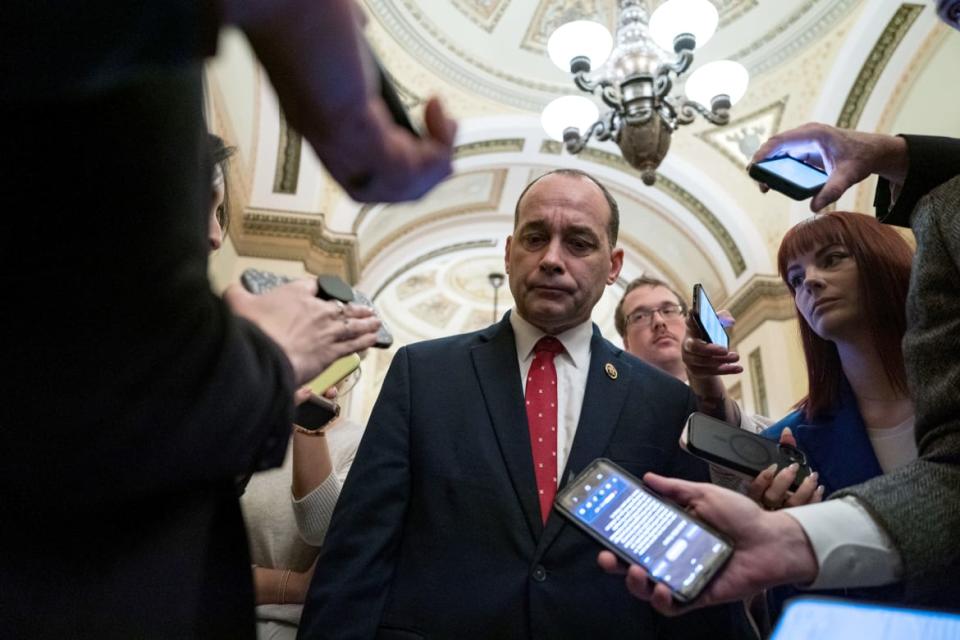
[441, 128]
[680, 491]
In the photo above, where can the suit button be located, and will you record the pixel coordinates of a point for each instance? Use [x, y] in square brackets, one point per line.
[539, 573]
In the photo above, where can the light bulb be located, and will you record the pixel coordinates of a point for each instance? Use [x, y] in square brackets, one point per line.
[579, 38]
[568, 111]
[696, 17]
[722, 77]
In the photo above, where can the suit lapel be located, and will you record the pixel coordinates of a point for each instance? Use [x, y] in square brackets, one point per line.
[498, 375]
[602, 403]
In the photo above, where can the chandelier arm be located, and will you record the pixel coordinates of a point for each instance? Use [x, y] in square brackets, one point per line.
[663, 84]
[678, 66]
[585, 84]
[611, 97]
[608, 128]
[687, 110]
[575, 143]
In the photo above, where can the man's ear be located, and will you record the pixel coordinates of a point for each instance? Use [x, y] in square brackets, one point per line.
[616, 264]
[506, 255]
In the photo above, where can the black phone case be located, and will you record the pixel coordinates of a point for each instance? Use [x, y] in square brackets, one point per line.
[586, 474]
[782, 185]
[741, 451]
[315, 413]
[695, 310]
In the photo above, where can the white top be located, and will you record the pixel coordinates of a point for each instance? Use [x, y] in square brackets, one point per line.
[894, 447]
[573, 366]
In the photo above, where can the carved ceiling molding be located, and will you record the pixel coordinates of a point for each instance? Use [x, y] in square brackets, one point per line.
[487, 147]
[730, 10]
[738, 140]
[483, 13]
[663, 270]
[482, 147]
[523, 93]
[827, 20]
[688, 200]
[761, 299]
[551, 14]
[489, 204]
[267, 233]
[451, 248]
[873, 68]
[287, 171]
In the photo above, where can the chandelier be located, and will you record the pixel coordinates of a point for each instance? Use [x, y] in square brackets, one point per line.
[636, 80]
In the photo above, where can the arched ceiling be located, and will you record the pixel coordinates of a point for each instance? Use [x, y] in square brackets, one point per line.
[865, 64]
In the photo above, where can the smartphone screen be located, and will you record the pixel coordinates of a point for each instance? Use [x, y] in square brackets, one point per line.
[826, 619]
[792, 170]
[709, 320]
[643, 528]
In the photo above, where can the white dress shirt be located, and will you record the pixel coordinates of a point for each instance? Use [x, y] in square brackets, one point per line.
[572, 366]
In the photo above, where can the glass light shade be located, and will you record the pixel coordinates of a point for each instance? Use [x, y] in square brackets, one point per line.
[579, 38]
[568, 111]
[697, 17]
[715, 78]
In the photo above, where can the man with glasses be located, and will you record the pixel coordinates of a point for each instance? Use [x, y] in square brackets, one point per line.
[650, 319]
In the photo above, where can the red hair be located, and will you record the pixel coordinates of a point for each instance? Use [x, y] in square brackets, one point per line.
[883, 260]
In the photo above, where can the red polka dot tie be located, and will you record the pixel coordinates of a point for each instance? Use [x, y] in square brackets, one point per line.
[541, 397]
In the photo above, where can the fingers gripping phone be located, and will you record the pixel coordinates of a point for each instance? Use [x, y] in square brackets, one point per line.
[742, 452]
[789, 176]
[329, 287]
[707, 319]
[624, 515]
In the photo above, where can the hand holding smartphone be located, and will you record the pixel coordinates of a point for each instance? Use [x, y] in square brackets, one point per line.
[329, 287]
[744, 453]
[707, 319]
[789, 176]
[624, 515]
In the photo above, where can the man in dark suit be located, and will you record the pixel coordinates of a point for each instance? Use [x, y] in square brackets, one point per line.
[445, 527]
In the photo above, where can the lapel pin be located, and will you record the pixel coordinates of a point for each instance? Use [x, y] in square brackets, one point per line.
[611, 371]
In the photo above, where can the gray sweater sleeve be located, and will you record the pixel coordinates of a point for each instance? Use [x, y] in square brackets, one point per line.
[313, 511]
[918, 504]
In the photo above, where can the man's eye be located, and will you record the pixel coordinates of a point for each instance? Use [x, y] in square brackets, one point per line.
[532, 239]
[796, 281]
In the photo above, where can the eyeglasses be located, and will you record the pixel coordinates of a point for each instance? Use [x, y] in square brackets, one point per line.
[667, 311]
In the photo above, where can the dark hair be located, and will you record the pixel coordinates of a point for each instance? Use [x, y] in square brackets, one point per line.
[613, 227]
[620, 316]
[219, 154]
[883, 260]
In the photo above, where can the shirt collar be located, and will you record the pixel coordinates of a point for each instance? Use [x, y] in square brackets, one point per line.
[575, 341]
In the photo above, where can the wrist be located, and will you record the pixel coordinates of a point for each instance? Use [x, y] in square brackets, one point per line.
[893, 159]
[798, 561]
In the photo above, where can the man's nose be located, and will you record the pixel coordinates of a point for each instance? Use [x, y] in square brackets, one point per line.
[552, 258]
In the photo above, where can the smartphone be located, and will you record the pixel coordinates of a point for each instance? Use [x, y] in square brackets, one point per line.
[742, 452]
[329, 287]
[789, 176]
[335, 373]
[389, 93]
[707, 319]
[315, 413]
[257, 281]
[624, 515]
[834, 619]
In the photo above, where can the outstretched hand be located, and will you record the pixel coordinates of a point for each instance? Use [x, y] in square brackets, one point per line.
[311, 332]
[327, 84]
[848, 156]
[770, 548]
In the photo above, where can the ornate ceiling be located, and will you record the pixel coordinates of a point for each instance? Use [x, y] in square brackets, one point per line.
[864, 64]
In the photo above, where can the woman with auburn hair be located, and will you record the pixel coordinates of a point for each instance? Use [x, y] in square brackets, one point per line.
[849, 276]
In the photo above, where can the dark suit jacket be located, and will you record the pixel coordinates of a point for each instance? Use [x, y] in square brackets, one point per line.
[438, 534]
[133, 397]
